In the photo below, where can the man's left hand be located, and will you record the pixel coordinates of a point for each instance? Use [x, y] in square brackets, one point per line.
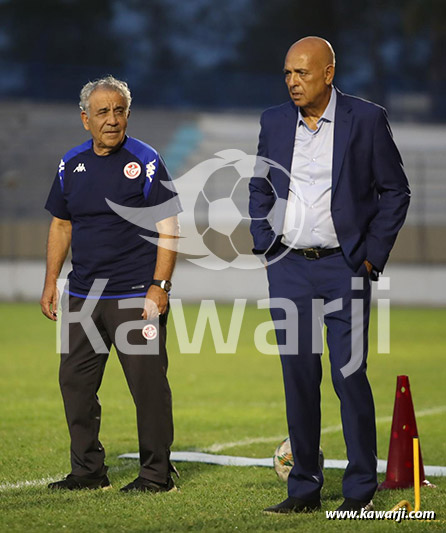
[368, 266]
[156, 303]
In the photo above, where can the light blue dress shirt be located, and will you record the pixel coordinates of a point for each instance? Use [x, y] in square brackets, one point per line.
[308, 222]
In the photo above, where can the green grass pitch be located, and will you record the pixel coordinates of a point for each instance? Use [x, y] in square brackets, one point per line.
[230, 402]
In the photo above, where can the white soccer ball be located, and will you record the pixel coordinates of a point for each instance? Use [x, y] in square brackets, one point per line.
[284, 462]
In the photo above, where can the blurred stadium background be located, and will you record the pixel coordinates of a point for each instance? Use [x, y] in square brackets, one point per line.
[200, 73]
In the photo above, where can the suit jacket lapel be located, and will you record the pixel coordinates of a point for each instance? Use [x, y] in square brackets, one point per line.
[343, 123]
[284, 153]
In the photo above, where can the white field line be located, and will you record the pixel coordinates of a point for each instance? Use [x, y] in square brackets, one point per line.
[45, 480]
[218, 447]
[24, 484]
[215, 448]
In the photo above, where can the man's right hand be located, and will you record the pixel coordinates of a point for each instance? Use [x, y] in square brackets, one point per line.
[49, 301]
[59, 239]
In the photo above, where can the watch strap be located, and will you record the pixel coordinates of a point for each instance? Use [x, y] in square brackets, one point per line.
[164, 284]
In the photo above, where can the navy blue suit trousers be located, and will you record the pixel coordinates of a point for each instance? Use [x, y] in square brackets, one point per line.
[309, 285]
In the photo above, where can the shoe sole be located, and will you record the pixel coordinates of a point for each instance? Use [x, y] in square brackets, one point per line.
[108, 487]
[369, 507]
[173, 489]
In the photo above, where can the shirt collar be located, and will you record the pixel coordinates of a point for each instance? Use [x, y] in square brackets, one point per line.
[329, 113]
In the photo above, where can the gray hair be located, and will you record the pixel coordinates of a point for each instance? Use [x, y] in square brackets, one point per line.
[109, 82]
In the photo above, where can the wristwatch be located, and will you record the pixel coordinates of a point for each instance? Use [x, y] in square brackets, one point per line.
[164, 284]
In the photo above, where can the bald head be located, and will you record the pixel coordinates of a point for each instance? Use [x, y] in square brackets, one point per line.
[309, 71]
[317, 48]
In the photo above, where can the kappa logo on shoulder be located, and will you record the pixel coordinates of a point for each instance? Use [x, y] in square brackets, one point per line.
[80, 168]
[132, 170]
[150, 170]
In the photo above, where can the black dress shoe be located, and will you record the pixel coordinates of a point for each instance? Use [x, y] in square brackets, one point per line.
[294, 505]
[350, 504]
[141, 484]
[72, 482]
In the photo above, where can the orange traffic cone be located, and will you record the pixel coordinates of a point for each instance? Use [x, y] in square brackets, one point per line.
[399, 474]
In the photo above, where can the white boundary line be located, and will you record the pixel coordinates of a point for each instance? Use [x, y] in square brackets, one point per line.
[436, 470]
[45, 480]
[231, 460]
[24, 484]
[218, 447]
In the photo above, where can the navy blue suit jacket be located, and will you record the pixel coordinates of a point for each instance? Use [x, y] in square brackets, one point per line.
[370, 193]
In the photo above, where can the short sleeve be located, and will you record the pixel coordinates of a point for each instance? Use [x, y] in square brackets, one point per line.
[56, 203]
[162, 194]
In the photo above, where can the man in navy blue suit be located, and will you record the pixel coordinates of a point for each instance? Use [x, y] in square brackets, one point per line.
[342, 204]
